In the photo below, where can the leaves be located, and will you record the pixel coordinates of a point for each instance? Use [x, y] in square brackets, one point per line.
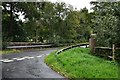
[106, 23]
[46, 22]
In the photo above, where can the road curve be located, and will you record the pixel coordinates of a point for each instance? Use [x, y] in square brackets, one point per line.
[29, 64]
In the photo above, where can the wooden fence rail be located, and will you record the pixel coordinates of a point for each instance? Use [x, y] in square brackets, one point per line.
[112, 53]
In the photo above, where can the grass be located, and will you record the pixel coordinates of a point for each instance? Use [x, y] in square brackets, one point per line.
[79, 63]
[10, 51]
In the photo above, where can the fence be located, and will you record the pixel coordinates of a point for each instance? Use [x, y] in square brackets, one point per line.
[108, 53]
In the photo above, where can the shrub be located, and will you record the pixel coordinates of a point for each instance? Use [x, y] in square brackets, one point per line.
[4, 45]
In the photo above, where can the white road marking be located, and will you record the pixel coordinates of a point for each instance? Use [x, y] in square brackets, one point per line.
[19, 59]
[1, 60]
[26, 57]
[15, 58]
[39, 56]
[30, 57]
[6, 61]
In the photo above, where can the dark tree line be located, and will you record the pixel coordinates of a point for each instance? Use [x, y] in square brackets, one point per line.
[45, 22]
[56, 23]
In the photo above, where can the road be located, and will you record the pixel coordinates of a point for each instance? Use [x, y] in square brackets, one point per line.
[29, 64]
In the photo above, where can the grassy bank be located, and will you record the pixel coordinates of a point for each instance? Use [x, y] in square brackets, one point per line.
[78, 63]
[10, 51]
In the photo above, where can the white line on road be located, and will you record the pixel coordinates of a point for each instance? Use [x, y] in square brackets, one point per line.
[20, 59]
[7, 61]
[39, 56]
[1, 60]
[15, 58]
[30, 57]
[4, 60]
[26, 57]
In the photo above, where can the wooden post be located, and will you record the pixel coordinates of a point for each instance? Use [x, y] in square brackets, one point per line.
[92, 43]
[113, 52]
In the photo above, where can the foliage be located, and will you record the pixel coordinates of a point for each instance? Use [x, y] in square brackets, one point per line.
[106, 24]
[45, 22]
[11, 28]
[4, 45]
[58, 23]
[78, 63]
[10, 51]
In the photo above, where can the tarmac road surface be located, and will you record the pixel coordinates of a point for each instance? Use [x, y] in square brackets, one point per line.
[29, 64]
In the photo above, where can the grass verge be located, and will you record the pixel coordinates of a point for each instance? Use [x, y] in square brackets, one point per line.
[79, 63]
[10, 51]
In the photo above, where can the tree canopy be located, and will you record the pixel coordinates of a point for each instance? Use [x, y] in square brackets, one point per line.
[106, 22]
[56, 23]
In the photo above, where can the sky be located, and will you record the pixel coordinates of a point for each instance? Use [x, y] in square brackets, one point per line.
[79, 4]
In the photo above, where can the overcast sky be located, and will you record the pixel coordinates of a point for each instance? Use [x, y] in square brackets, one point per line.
[79, 4]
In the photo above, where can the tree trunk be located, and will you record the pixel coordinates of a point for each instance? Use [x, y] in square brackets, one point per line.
[36, 36]
[11, 20]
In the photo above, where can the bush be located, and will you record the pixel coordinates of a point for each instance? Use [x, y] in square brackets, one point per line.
[4, 45]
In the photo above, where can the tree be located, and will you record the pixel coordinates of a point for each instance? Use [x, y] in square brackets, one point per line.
[106, 22]
[85, 28]
[11, 28]
[45, 22]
